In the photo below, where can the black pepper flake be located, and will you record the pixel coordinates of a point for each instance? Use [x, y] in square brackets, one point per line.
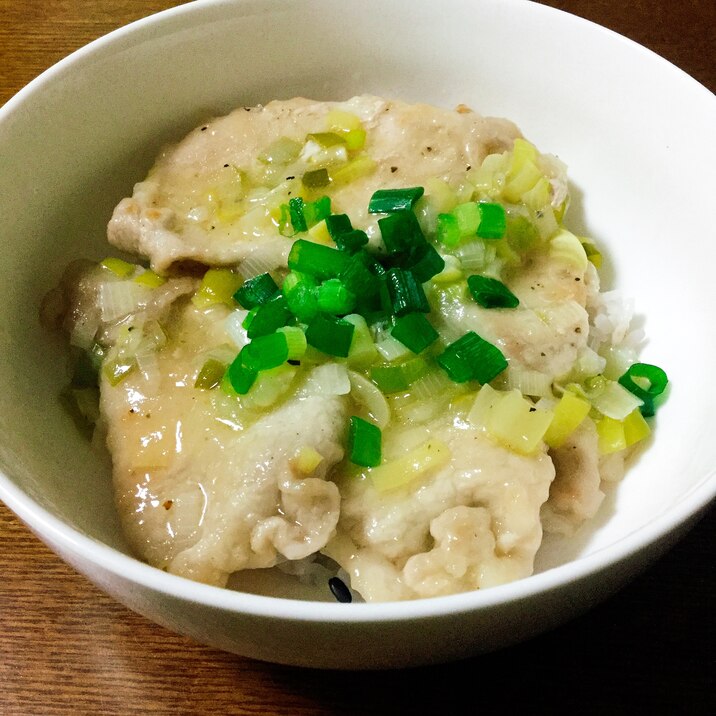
[203, 129]
[226, 166]
[533, 410]
[289, 178]
[339, 590]
[578, 329]
[468, 167]
[393, 169]
[543, 355]
[576, 278]
[293, 362]
[428, 149]
[247, 109]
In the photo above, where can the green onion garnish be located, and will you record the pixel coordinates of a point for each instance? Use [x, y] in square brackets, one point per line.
[472, 358]
[396, 377]
[414, 331]
[428, 263]
[467, 216]
[256, 291]
[387, 201]
[448, 230]
[338, 224]
[493, 221]
[210, 374]
[315, 211]
[646, 382]
[316, 179]
[119, 267]
[364, 443]
[268, 317]
[295, 212]
[320, 261]
[302, 298]
[401, 233]
[265, 352]
[491, 293]
[330, 335]
[335, 298]
[404, 293]
[239, 376]
[360, 275]
[351, 241]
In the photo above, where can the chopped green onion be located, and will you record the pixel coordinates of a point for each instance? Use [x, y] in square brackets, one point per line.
[414, 331]
[359, 275]
[338, 224]
[265, 352]
[210, 374]
[491, 293]
[295, 212]
[256, 291]
[568, 416]
[355, 169]
[387, 201]
[115, 371]
[315, 211]
[239, 376]
[362, 352]
[268, 317]
[472, 358]
[330, 335]
[393, 378]
[317, 260]
[593, 253]
[448, 230]
[335, 298]
[430, 264]
[467, 216]
[296, 340]
[120, 268]
[404, 293]
[351, 241]
[326, 139]
[302, 298]
[316, 179]
[428, 457]
[364, 443]
[493, 221]
[646, 382]
[150, 279]
[401, 233]
[217, 286]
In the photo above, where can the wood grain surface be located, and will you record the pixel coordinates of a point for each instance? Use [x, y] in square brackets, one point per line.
[66, 648]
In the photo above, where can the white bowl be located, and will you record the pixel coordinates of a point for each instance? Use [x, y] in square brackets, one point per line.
[639, 138]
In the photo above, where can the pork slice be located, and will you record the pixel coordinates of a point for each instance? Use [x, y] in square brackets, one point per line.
[545, 333]
[201, 201]
[205, 488]
[470, 523]
[575, 495]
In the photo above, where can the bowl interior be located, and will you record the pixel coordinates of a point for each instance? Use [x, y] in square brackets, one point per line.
[636, 133]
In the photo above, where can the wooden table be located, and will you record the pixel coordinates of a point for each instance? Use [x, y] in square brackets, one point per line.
[67, 648]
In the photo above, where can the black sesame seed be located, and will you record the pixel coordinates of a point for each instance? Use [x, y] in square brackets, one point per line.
[339, 590]
[293, 362]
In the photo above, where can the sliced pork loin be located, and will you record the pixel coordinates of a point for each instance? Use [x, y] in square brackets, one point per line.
[202, 200]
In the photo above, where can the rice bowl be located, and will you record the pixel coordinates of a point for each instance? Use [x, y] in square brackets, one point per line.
[647, 509]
